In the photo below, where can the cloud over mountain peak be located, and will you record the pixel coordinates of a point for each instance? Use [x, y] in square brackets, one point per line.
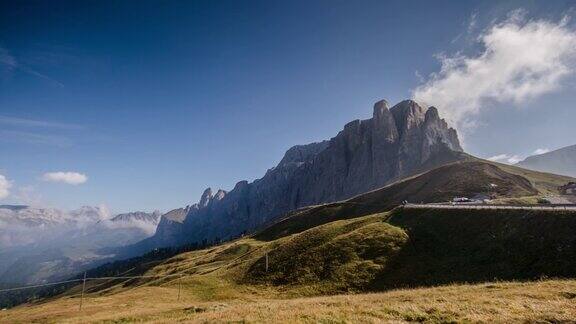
[520, 60]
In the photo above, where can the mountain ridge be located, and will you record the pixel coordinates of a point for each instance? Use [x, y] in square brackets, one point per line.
[560, 161]
[366, 154]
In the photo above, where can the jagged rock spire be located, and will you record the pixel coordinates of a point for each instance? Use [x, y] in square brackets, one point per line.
[384, 126]
[206, 197]
[219, 195]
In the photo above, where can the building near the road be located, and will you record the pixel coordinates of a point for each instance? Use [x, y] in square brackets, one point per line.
[568, 189]
[476, 199]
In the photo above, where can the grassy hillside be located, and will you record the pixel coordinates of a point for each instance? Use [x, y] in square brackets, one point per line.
[354, 246]
[418, 247]
[404, 248]
[482, 245]
[550, 301]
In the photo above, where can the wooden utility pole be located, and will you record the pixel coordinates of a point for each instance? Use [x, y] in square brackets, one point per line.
[83, 288]
[179, 286]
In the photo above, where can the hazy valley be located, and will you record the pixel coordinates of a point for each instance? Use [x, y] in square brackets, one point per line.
[40, 244]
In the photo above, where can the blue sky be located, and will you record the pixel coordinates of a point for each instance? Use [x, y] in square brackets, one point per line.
[153, 101]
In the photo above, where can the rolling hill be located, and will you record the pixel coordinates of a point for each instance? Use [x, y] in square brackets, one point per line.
[362, 244]
[403, 248]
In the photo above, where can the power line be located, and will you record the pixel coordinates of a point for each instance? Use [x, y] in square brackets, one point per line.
[85, 279]
[40, 285]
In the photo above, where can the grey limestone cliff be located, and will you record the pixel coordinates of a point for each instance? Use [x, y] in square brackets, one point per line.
[367, 154]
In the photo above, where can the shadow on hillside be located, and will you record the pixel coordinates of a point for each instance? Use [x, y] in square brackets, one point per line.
[447, 246]
[423, 247]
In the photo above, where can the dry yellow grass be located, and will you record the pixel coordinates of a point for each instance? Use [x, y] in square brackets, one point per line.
[214, 288]
[552, 301]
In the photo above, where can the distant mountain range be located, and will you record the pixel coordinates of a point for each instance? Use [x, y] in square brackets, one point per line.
[367, 154]
[561, 161]
[38, 244]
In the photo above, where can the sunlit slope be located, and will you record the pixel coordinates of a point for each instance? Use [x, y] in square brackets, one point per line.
[358, 245]
[551, 301]
[402, 248]
[405, 248]
[367, 244]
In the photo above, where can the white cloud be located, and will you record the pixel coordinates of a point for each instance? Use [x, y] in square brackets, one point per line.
[506, 158]
[73, 178]
[541, 151]
[520, 60]
[5, 185]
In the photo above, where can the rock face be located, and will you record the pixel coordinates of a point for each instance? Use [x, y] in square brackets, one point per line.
[137, 217]
[561, 161]
[365, 155]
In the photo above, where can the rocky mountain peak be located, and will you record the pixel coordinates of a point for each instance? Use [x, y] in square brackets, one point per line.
[436, 133]
[206, 198]
[365, 155]
[408, 114]
[177, 215]
[137, 216]
[379, 107]
[432, 114]
[302, 153]
[385, 129]
[219, 195]
[240, 185]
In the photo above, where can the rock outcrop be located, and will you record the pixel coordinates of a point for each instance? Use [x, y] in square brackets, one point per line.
[367, 154]
[138, 216]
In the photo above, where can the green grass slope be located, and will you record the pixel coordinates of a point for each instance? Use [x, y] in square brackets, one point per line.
[403, 248]
[363, 245]
[481, 245]
[423, 247]
[457, 179]
[339, 256]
